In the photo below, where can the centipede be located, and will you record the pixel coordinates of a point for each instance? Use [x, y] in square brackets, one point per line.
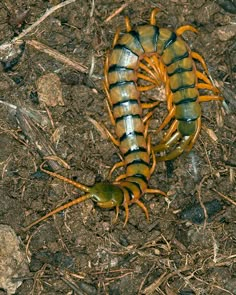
[164, 57]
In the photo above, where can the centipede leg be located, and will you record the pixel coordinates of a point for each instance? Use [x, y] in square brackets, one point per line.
[164, 146]
[146, 88]
[199, 58]
[170, 131]
[127, 24]
[203, 77]
[113, 122]
[116, 165]
[142, 206]
[112, 138]
[116, 37]
[126, 205]
[193, 140]
[153, 16]
[167, 119]
[146, 78]
[178, 150]
[155, 191]
[154, 162]
[207, 86]
[185, 28]
[204, 98]
[149, 105]
[146, 69]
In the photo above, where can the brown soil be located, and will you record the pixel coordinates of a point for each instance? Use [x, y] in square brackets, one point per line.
[80, 250]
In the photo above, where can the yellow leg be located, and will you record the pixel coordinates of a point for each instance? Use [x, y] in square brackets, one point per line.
[182, 29]
[166, 145]
[177, 151]
[193, 140]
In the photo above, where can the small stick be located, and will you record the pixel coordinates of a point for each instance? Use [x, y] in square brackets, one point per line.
[34, 25]
[225, 197]
[57, 55]
[116, 12]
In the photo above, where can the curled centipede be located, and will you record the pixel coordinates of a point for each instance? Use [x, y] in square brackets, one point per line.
[163, 56]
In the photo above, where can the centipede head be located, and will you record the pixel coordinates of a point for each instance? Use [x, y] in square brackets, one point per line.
[106, 195]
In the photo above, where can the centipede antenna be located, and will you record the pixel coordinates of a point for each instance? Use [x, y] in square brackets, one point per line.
[61, 208]
[65, 179]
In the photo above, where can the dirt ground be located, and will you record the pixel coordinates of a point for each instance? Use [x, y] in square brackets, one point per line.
[80, 250]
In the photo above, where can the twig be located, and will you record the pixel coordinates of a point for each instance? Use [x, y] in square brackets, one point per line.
[225, 197]
[34, 25]
[116, 12]
[57, 55]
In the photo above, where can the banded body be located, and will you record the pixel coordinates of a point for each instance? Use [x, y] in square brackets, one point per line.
[171, 60]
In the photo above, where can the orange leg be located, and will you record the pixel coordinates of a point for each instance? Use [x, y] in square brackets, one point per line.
[203, 77]
[126, 205]
[119, 178]
[112, 138]
[154, 162]
[167, 119]
[153, 16]
[116, 165]
[144, 77]
[155, 64]
[147, 116]
[149, 105]
[113, 122]
[116, 37]
[170, 131]
[127, 24]
[207, 86]
[146, 69]
[182, 29]
[204, 98]
[155, 191]
[145, 88]
[198, 57]
[142, 206]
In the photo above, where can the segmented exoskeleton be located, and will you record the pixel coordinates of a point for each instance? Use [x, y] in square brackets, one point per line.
[126, 113]
[172, 57]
